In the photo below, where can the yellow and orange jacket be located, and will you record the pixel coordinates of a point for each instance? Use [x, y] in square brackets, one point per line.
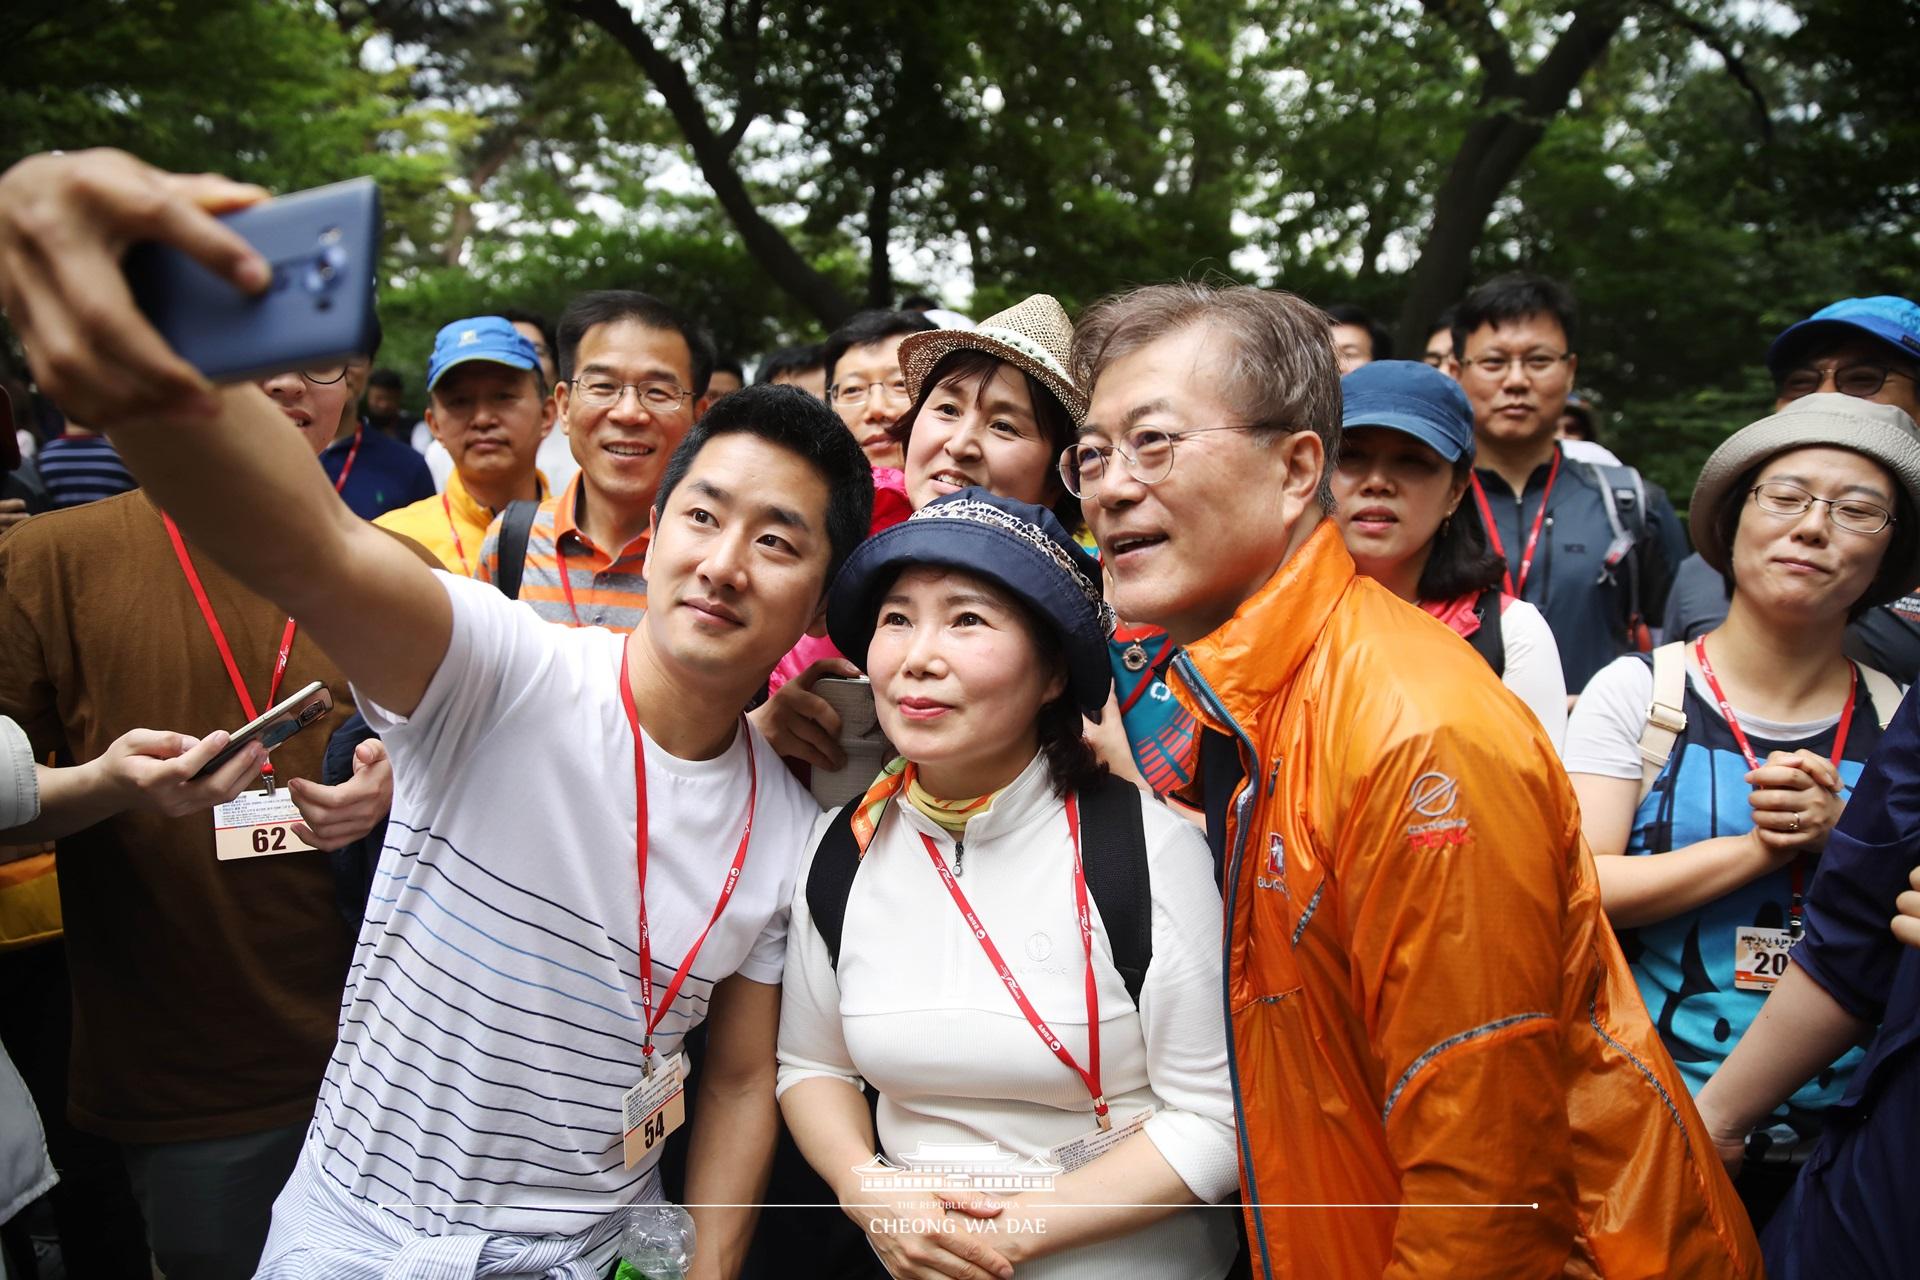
[1427, 1006]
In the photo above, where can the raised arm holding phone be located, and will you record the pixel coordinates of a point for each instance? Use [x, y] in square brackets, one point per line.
[484, 706]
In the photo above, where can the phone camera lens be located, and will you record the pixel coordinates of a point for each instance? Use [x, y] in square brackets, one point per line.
[325, 269]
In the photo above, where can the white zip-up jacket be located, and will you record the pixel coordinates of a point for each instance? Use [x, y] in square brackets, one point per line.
[917, 1010]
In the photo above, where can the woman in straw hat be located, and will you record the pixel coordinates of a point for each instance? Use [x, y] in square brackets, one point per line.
[993, 407]
[1710, 775]
[944, 948]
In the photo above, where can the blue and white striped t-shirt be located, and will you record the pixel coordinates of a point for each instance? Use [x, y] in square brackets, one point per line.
[491, 1020]
[82, 469]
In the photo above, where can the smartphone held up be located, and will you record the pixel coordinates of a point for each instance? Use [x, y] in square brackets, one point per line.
[317, 310]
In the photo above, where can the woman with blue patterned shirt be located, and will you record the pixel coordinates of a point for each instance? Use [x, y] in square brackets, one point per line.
[1755, 731]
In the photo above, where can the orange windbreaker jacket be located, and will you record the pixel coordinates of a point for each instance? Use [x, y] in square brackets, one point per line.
[1428, 1008]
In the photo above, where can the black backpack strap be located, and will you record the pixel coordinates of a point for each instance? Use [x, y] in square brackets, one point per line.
[1489, 640]
[1113, 848]
[516, 527]
[830, 880]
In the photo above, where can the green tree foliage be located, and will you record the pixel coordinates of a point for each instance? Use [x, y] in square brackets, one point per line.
[1702, 173]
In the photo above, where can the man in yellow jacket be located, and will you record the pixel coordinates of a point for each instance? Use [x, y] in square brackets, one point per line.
[1440, 1063]
[487, 404]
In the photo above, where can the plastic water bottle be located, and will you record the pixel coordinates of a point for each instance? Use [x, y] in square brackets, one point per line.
[656, 1243]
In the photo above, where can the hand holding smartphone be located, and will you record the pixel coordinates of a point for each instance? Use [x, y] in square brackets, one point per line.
[316, 312]
[275, 726]
[861, 738]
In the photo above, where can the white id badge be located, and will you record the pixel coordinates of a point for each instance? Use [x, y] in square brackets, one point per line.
[654, 1108]
[1078, 1152]
[1760, 957]
[256, 824]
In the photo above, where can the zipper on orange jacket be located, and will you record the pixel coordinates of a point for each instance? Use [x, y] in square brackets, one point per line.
[1247, 797]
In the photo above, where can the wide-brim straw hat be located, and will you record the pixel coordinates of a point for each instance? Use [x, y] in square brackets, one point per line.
[1827, 420]
[1034, 337]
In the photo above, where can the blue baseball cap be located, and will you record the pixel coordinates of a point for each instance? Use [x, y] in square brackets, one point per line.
[1413, 397]
[1894, 321]
[489, 338]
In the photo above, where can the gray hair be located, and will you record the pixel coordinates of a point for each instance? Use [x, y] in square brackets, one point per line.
[1277, 362]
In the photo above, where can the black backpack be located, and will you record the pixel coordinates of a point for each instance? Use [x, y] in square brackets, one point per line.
[1113, 849]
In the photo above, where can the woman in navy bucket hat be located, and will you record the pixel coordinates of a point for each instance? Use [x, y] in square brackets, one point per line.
[955, 946]
[1406, 452]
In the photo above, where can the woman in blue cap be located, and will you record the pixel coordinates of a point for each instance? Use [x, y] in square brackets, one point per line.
[960, 942]
[1406, 453]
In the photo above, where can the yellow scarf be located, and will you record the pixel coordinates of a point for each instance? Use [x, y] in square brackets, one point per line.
[900, 775]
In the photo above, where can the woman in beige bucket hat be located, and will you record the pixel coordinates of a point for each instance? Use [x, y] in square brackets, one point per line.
[1719, 767]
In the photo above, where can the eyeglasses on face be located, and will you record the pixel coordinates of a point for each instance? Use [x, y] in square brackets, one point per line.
[1776, 497]
[325, 377]
[857, 392]
[604, 393]
[1147, 451]
[1860, 380]
[1536, 364]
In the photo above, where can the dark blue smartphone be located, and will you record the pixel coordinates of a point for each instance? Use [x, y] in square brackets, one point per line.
[318, 311]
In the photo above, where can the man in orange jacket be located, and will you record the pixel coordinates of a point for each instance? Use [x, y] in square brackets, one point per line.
[1440, 1063]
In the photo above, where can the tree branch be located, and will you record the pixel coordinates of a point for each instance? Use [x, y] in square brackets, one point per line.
[1471, 21]
[1735, 65]
[766, 242]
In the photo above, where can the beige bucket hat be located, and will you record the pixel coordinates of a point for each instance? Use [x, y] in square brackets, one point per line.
[1827, 420]
[1034, 336]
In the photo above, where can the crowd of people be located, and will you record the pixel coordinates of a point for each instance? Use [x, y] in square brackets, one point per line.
[1332, 817]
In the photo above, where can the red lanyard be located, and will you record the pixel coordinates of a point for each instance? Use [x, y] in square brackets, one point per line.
[1091, 1075]
[459, 548]
[340, 485]
[1517, 585]
[651, 1016]
[220, 636]
[1753, 761]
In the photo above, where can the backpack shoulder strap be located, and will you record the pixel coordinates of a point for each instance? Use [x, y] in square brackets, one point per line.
[830, 880]
[1666, 716]
[1884, 692]
[516, 527]
[1489, 639]
[1621, 489]
[1113, 844]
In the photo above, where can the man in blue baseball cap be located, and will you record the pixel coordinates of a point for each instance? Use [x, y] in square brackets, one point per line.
[1864, 347]
[486, 403]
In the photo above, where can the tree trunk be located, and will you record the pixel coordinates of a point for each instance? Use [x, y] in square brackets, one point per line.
[1518, 110]
[1490, 155]
[495, 153]
[768, 245]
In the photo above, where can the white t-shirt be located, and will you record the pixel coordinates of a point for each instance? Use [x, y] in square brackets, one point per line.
[916, 1009]
[492, 1019]
[1603, 735]
[1533, 669]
